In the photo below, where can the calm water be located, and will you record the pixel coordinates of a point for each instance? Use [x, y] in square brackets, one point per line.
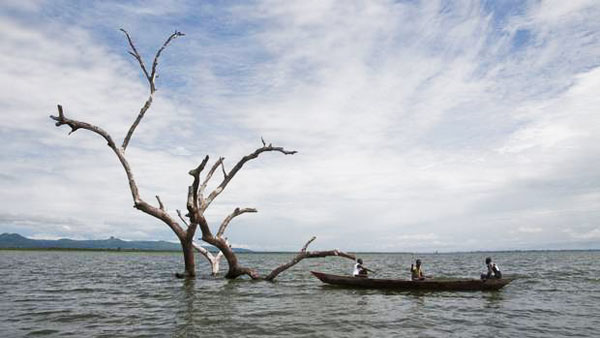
[106, 294]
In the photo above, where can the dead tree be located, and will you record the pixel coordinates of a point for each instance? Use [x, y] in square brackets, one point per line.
[197, 200]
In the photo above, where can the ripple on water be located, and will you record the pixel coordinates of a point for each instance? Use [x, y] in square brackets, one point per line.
[43, 332]
[134, 294]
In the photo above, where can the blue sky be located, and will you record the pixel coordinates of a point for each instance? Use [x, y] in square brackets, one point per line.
[420, 125]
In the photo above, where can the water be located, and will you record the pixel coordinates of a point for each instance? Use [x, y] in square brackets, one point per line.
[108, 294]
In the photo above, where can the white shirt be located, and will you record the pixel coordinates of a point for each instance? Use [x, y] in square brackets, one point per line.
[357, 268]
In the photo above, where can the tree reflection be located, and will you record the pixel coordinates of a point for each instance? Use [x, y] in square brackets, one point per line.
[186, 326]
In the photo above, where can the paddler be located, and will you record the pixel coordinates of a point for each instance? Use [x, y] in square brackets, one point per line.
[416, 272]
[493, 271]
[360, 270]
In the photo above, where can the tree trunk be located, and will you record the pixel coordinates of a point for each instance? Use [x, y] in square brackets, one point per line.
[188, 258]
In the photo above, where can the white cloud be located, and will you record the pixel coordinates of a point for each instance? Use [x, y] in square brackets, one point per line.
[411, 119]
[593, 234]
[529, 230]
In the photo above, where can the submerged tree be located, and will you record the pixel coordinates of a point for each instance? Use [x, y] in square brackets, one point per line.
[198, 200]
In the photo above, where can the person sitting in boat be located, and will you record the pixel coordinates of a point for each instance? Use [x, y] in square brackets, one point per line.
[493, 271]
[416, 272]
[359, 269]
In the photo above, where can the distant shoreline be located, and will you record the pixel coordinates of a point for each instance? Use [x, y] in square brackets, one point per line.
[112, 244]
[87, 249]
[295, 252]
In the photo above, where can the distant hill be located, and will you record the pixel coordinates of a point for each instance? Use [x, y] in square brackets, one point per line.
[16, 241]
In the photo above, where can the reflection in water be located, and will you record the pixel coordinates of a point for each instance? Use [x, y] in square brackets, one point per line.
[187, 298]
[363, 301]
[493, 299]
[418, 300]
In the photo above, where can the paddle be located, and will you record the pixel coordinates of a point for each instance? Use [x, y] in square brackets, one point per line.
[369, 270]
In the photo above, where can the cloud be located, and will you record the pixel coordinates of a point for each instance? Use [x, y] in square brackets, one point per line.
[442, 120]
[593, 234]
[529, 230]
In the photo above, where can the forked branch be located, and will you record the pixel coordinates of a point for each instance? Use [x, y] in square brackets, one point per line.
[153, 73]
[214, 260]
[209, 175]
[227, 177]
[75, 125]
[151, 77]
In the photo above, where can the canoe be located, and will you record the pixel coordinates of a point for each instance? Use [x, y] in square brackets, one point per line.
[425, 285]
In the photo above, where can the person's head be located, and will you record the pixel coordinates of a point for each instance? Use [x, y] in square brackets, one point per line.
[488, 260]
[418, 262]
[359, 261]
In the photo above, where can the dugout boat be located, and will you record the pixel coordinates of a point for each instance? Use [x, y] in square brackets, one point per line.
[462, 284]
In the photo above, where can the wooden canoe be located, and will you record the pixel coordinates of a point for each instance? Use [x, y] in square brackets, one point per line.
[425, 285]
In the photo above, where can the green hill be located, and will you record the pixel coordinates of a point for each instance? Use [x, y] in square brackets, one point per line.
[16, 241]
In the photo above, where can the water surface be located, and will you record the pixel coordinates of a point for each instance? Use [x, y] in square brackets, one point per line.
[108, 294]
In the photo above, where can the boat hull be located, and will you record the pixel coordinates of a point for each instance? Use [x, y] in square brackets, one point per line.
[424, 285]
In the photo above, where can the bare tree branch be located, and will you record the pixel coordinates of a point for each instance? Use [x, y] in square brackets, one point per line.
[206, 179]
[308, 243]
[139, 203]
[135, 54]
[220, 253]
[160, 204]
[153, 74]
[214, 260]
[181, 218]
[228, 219]
[191, 227]
[197, 215]
[306, 254]
[223, 168]
[136, 122]
[151, 81]
[239, 166]
[192, 203]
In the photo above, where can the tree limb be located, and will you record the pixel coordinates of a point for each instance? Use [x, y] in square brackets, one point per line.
[308, 243]
[306, 254]
[136, 122]
[160, 203]
[136, 55]
[150, 77]
[192, 203]
[228, 219]
[206, 179]
[181, 218]
[155, 62]
[223, 168]
[139, 203]
[229, 176]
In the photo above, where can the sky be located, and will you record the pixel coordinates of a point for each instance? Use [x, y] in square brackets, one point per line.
[420, 126]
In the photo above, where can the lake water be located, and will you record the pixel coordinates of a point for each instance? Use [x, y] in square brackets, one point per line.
[115, 294]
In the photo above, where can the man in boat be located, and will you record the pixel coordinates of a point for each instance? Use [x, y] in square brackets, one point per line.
[360, 270]
[416, 272]
[493, 271]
